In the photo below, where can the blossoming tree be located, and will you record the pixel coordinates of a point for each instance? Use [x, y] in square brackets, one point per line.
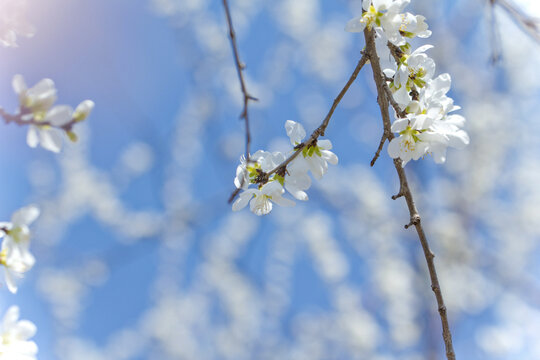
[130, 250]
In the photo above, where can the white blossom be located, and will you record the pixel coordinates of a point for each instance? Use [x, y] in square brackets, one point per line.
[295, 132]
[261, 161]
[296, 182]
[15, 254]
[314, 157]
[260, 200]
[17, 230]
[48, 135]
[428, 128]
[15, 335]
[16, 261]
[406, 26]
[47, 123]
[414, 72]
[382, 14]
[36, 101]
[83, 110]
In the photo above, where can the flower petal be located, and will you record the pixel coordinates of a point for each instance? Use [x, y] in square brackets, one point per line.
[25, 215]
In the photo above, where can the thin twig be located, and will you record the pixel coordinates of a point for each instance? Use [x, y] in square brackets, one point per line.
[385, 135]
[18, 119]
[405, 191]
[400, 113]
[322, 128]
[240, 66]
[529, 24]
[495, 36]
[395, 51]
[282, 168]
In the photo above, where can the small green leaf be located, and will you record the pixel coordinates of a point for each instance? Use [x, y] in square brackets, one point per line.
[281, 179]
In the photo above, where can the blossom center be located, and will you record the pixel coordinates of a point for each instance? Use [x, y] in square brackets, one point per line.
[372, 16]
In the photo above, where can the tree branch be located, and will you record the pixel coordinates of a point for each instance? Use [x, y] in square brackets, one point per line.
[529, 24]
[282, 168]
[18, 119]
[415, 220]
[247, 97]
[322, 128]
[240, 66]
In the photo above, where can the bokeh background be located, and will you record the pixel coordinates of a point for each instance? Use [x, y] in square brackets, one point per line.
[139, 256]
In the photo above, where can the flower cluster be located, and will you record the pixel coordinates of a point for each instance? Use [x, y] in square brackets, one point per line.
[426, 125]
[14, 335]
[388, 20]
[15, 255]
[13, 22]
[272, 174]
[46, 122]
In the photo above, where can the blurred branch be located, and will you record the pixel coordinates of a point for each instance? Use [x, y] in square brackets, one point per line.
[383, 100]
[18, 119]
[529, 24]
[240, 66]
[495, 36]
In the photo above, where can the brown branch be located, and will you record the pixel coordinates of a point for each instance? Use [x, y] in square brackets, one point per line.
[322, 128]
[405, 191]
[395, 51]
[529, 24]
[240, 66]
[400, 113]
[384, 136]
[247, 97]
[17, 119]
[282, 168]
